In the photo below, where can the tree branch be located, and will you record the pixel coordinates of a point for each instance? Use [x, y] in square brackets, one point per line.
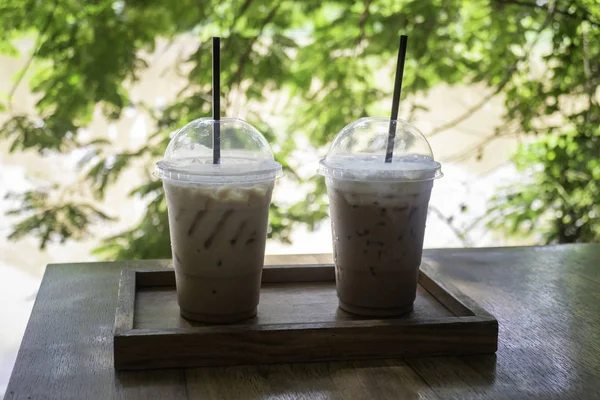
[589, 87]
[478, 147]
[38, 46]
[241, 12]
[226, 44]
[246, 56]
[462, 236]
[244, 8]
[452, 123]
[507, 77]
[362, 21]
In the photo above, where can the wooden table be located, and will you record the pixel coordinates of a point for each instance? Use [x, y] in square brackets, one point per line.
[546, 299]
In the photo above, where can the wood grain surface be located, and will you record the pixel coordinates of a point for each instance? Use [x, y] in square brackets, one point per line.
[156, 307]
[298, 321]
[547, 301]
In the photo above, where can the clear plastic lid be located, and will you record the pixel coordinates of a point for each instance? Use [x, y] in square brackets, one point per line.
[358, 153]
[245, 154]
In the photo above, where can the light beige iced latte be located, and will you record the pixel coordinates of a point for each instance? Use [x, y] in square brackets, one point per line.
[218, 242]
[218, 218]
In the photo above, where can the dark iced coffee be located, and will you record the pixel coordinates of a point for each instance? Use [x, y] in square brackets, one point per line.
[378, 202]
[378, 234]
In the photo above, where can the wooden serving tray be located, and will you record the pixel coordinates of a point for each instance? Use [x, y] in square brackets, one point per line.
[298, 321]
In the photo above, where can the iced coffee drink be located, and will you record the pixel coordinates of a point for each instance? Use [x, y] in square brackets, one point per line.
[218, 218]
[218, 242]
[378, 213]
[378, 240]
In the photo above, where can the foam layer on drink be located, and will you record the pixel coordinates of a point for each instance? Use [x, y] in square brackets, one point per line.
[235, 169]
[207, 195]
[385, 194]
[372, 168]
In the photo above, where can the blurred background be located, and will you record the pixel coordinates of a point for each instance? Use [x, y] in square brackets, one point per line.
[505, 90]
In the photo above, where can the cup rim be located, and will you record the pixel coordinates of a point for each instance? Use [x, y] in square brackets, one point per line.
[381, 175]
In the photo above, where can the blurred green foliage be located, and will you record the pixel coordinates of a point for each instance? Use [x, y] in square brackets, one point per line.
[322, 58]
[559, 197]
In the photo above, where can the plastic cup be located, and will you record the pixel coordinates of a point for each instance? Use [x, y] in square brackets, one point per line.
[378, 213]
[218, 217]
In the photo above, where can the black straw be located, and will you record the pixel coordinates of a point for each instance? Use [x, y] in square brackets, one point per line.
[216, 94]
[389, 154]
